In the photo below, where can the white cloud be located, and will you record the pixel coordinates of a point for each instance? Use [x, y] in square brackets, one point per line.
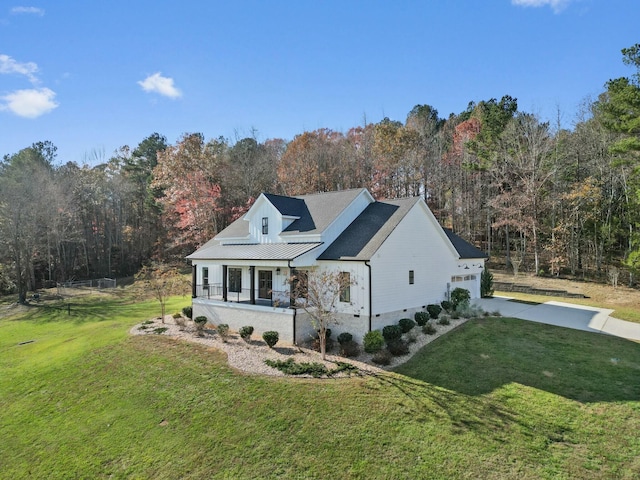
[156, 83]
[9, 65]
[29, 10]
[29, 103]
[556, 5]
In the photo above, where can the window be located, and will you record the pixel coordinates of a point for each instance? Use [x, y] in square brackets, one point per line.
[265, 225]
[205, 276]
[345, 283]
[235, 280]
[410, 277]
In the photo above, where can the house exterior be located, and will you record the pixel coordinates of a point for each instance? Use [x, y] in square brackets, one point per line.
[398, 258]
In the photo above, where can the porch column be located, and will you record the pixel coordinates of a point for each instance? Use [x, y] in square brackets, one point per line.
[194, 277]
[252, 285]
[224, 283]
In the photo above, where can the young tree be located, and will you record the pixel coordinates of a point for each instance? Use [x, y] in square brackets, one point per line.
[162, 281]
[318, 293]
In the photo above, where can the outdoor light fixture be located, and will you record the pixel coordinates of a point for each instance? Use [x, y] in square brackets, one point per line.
[278, 271]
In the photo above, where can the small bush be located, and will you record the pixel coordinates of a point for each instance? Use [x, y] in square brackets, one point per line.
[444, 320]
[460, 297]
[391, 332]
[246, 332]
[434, 310]
[180, 322]
[421, 318]
[496, 313]
[271, 338]
[314, 369]
[223, 331]
[200, 322]
[160, 330]
[412, 337]
[429, 329]
[344, 337]
[349, 349]
[446, 305]
[406, 324]
[187, 312]
[373, 341]
[177, 315]
[383, 357]
[327, 333]
[148, 322]
[455, 315]
[398, 347]
[328, 345]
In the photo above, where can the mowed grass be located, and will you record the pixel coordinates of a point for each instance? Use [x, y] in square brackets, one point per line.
[497, 398]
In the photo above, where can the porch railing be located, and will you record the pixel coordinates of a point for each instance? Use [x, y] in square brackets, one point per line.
[273, 298]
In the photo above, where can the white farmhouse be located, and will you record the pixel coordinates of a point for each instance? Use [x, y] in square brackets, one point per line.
[398, 257]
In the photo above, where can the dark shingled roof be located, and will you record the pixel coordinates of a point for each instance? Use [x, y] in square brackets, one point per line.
[316, 212]
[369, 230]
[464, 248]
[288, 206]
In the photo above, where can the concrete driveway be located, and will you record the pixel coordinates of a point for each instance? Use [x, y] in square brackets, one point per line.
[578, 317]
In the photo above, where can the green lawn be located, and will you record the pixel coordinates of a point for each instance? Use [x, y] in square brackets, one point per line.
[497, 398]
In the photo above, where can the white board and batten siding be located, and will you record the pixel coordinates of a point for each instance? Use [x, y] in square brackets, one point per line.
[425, 251]
[264, 209]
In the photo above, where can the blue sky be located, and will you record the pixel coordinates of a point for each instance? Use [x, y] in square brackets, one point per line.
[94, 76]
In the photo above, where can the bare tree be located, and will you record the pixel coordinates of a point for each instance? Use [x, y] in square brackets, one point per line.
[319, 292]
[162, 281]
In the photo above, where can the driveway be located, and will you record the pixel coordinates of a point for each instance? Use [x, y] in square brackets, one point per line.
[578, 317]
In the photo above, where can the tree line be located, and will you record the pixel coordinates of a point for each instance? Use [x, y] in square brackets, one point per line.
[536, 196]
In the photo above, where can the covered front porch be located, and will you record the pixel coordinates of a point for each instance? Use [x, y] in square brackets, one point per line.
[265, 285]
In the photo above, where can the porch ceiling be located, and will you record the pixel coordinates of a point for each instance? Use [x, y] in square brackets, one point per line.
[258, 251]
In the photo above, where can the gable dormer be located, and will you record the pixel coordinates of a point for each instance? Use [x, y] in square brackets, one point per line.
[269, 216]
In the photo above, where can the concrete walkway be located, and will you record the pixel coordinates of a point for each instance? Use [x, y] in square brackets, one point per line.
[578, 317]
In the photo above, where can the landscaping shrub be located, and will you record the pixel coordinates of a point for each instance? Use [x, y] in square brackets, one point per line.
[349, 349]
[200, 322]
[446, 305]
[429, 329]
[383, 357]
[398, 347]
[344, 337]
[455, 315]
[314, 369]
[434, 310]
[412, 337]
[246, 332]
[187, 312]
[160, 330]
[406, 324]
[271, 338]
[421, 318]
[460, 298]
[177, 315]
[444, 320]
[180, 322]
[486, 283]
[373, 341]
[391, 332]
[223, 331]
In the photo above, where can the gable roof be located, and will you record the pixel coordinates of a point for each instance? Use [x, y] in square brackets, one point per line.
[315, 212]
[464, 248]
[361, 239]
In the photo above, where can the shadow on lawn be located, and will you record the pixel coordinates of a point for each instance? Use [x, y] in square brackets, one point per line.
[485, 354]
[462, 412]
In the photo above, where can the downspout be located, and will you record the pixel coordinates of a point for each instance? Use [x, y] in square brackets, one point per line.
[291, 302]
[366, 262]
[193, 281]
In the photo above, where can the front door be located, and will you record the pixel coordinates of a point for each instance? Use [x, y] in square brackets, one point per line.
[265, 284]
